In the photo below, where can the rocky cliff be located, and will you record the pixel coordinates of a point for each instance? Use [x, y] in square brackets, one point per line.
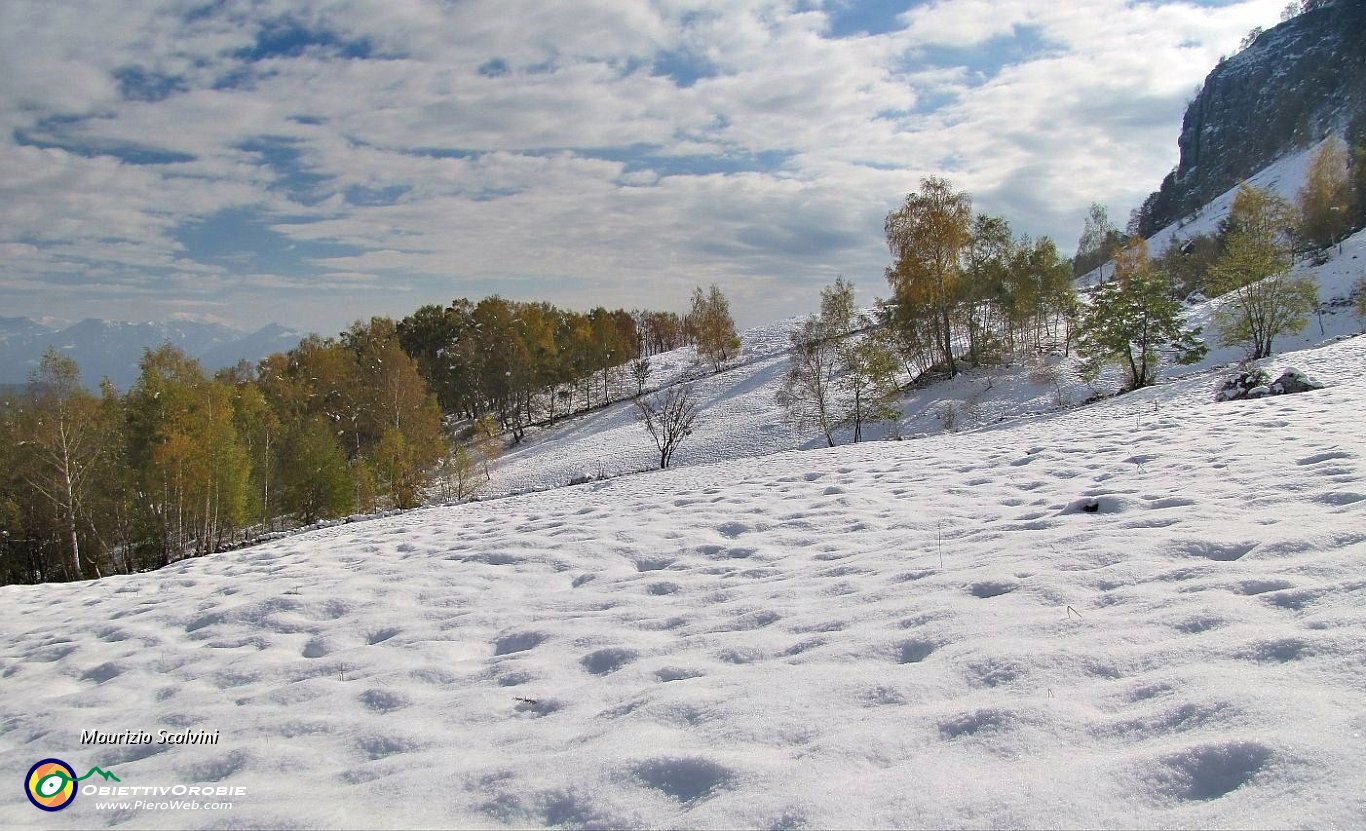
[1292, 86]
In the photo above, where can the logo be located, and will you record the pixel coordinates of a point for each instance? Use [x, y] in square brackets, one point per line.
[51, 783]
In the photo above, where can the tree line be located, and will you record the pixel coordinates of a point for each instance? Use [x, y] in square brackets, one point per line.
[1136, 319]
[389, 412]
[185, 463]
[965, 289]
[530, 363]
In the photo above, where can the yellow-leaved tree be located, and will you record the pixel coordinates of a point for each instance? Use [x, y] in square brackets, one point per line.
[1263, 300]
[1325, 200]
[928, 237]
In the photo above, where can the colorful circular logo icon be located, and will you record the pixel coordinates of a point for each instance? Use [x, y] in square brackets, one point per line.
[51, 785]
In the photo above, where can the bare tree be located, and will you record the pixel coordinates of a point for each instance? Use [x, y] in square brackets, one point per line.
[668, 416]
[808, 385]
[808, 393]
[487, 442]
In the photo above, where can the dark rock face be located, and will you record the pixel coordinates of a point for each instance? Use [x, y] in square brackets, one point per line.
[1296, 83]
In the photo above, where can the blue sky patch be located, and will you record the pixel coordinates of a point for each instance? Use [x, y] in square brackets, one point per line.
[283, 157]
[375, 197]
[640, 157]
[932, 101]
[138, 84]
[683, 68]
[494, 68]
[445, 152]
[849, 18]
[56, 132]
[986, 60]
[288, 38]
[241, 240]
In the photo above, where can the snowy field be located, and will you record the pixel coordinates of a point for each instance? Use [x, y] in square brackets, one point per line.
[919, 633]
[926, 633]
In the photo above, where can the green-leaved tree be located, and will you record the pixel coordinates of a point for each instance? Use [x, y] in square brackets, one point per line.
[1133, 321]
[1263, 300]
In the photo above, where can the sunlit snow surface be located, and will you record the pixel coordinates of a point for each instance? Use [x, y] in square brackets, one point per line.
[877, 635]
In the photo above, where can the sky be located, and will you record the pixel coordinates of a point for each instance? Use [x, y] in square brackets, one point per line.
[313, 162]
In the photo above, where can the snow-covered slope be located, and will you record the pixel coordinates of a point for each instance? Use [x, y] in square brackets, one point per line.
[740, 418]
[1284, 177]
[924, 633]
[1336, 316]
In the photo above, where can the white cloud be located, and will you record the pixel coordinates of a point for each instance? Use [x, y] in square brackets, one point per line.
[551, 192]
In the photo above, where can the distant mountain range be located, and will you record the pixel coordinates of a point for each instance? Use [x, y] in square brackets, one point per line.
[110, 349]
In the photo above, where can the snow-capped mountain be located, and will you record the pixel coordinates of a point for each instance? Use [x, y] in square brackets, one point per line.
[111, 349]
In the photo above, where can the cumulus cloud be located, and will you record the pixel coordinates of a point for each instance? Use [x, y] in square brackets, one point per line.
[302, 160]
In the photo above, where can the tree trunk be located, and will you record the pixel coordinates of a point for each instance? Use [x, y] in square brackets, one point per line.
[858, 415]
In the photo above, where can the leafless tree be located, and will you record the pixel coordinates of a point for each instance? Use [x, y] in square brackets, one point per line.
[669, 417]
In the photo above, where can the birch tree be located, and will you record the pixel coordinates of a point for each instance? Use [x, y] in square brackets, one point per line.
[59, 438]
